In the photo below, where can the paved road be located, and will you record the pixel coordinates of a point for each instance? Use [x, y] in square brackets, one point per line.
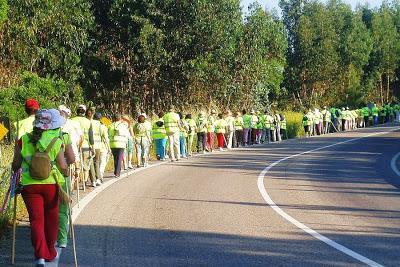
[208, 210]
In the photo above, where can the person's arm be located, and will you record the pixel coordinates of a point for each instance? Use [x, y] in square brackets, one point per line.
[69, 154]
[61, 163]
[17, 161]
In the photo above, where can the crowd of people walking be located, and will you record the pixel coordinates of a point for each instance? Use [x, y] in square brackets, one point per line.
[56, 152]
[327, 120]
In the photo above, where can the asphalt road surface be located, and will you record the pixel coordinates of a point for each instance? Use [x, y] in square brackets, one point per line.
[208, 211]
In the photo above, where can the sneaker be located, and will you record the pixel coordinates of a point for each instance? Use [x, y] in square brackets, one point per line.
[221, 149]
[40, 262]
[94, 184]
[98, 182]
[61, 245]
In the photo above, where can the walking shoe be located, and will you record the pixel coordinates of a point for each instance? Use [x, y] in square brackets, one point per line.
[61, 245]
[98, 182]
[40, 262]
[221, 149]
[94, 184]
[158, 157]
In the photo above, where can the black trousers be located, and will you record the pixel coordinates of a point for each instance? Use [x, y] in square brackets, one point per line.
[118, 154]
[201, 142]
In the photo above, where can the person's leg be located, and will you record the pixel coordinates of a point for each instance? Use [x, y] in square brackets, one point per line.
[273, 135]
[245, 136]
[139, 154]
[204, 141]
[230, 140]
[103, 162]
[97, 162]
[199, 142]
[146, 150]
[220, 140]
[86, 167]
[34, 203]
[176, 145]
[120, 156]
[158, 143]
[171, 141]
[115, 157]
[63, 219]
[50, 195]
[182, 146]
[190, 144]
[163, 148]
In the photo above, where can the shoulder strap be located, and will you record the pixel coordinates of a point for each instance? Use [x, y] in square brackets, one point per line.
[50, 146]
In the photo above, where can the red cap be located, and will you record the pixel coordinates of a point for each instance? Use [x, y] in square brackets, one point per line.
[32, 104]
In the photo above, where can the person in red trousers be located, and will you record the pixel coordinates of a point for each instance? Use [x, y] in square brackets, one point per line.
[41, 194]
[220, 130]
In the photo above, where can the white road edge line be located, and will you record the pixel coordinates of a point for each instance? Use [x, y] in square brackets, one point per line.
[393, 164]
[315, 234]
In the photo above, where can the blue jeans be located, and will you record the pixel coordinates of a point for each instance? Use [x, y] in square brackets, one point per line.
[160, 147]
[182, 145]
[375, 120]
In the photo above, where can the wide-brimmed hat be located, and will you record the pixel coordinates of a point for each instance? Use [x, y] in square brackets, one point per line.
[48, 119]
[82, 107]
[65, 109]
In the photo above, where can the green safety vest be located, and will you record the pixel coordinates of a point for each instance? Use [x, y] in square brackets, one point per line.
[192, 126]
[254, 121]
[238, 123]
[246, 121]
[28, 151]
[96, 126]
[159, 132]
[85, 126]
[140, 130]
[201, 124]
[220, 126]
[171, 121]
[117, 140]
[24, 126]
[210, 124]
[374, 111]
[283, 124]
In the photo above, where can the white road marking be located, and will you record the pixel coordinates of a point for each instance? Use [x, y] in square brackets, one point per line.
[315, 234]
[394, 165]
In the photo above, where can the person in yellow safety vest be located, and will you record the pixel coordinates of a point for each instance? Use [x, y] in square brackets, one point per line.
[326, 119]
[269, 121]
[86, 149]
[172, 123]
[95, 131]
[211, 130]
[283, 126]
[343, 117]
[41, 195]
[26, 125]
[354, 119]
[259, 126]
[183, 128]
[142, 141]
[277, 119]
[104, 147]
[159, 135]
[129, 150]
[118, 141]
[317, 121]
[273, 128]
[220, 130]
[246, 128]
[307, 122]
[263, 130]
[201, 129]
[253, 126]
[230, 128]
[238, 138]
[191, 133]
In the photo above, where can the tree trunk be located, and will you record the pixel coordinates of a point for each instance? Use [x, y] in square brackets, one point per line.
[388, 88]
[381, 89]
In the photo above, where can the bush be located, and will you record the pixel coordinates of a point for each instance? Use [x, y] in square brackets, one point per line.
[294, 124]
[49, 92]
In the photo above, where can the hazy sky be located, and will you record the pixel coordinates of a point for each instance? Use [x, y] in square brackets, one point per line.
[274, 3]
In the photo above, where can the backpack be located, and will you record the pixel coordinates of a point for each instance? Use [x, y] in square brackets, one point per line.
[40, 166]
[91, 135]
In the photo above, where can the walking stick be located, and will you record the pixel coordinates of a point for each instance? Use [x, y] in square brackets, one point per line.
[72, 228]
[82, 172]
[15, 182]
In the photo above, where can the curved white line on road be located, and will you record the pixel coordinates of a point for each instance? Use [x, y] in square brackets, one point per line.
[305, 228]
[393, 164]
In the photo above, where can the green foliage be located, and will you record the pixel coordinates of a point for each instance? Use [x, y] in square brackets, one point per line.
[49, 92]
[3, 11]
[295, 127]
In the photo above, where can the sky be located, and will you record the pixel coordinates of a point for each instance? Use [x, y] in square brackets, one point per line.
[274, 3]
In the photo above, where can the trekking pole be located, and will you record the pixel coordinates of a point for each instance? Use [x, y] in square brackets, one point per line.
[15, 182]
[82, 172]
[72, 226]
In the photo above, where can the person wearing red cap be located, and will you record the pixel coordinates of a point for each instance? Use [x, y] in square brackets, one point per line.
[26, 125]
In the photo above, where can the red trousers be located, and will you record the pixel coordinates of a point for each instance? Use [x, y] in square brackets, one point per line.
[210, 141]
[42, 204]
[221, 142]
